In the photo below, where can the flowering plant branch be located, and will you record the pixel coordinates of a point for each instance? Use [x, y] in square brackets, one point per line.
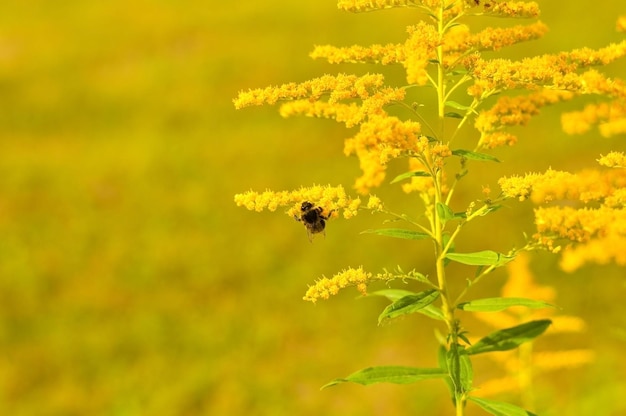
[444, 54]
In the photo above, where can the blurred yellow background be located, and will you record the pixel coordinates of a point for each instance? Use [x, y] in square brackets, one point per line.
[130, 284]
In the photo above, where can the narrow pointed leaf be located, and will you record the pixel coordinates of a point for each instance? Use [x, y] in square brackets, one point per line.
[452, 114]
[467, 371]
[389, 374]
[407, 175]
[432, 312]
[499, 304]
[456, 105]
[392, 294]
[498, 408]
[398, 233]
[507, 339]
[468, 154]
[408, 304]
[480, 258]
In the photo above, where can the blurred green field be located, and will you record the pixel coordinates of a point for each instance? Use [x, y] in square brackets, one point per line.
[130, 284]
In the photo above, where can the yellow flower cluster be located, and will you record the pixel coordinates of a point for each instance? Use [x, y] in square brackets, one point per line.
[513, 111]
[595, 233]
[610, 118]
[511, 8]
[553, 71]
[420, 49]
[613, 160]
[601, 234]
[415, 54]
[329, 198]
[350, 114]
[380, 139]
[368, 5]
[521, 283]
[337, 87]
[588, 185]
[324, 288]
[459, 38]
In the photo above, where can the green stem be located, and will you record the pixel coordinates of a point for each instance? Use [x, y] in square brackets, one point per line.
[438, 225]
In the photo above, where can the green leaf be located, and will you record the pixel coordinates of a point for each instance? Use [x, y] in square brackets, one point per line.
[432, 312]
[442, 360]
[444, 212]
[398, 233]
[499, 304]
[389, 374]
[481, 258]
[468, 154]
[507, 339]
[456, 105]
[490, 209]
[408, 304]
[498, 408]
[467, 371]
[391, 294]
[407, 175]
[452, 114]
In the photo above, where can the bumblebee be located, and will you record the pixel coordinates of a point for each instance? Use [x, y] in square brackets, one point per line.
[313, 218]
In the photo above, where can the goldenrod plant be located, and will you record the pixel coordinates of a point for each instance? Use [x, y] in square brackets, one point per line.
[580, 216]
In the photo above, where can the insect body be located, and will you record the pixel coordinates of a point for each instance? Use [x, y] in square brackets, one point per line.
[313, 218]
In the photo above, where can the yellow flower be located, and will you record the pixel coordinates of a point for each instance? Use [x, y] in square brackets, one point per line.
[380, 139]
[459, 38]
[613, 160]
[511, 8]
[420, 49]
[587, 185]
[556, 71]
[621, 24]
[339, 87]
[600, 234]
[512, 111]
[325, 287]
[368, 5]
[375, 54]
[329, 198]
[611, 118]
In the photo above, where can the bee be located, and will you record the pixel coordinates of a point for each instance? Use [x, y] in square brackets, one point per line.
[313, 218]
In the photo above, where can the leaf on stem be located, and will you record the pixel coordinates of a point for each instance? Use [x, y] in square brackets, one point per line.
[509, 338]
[444, 212]
[468, 154]
[480, 258]
[452, 114]
[407, 175]
[456, 105]
[389, 374]
[498, 408]
[392, 294]
[398, 233]
[499, 304]
[408, 304]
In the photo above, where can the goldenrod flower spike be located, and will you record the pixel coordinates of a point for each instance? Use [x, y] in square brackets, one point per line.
[324, 288]
[330, 198]
[610, 118]
[339, 87]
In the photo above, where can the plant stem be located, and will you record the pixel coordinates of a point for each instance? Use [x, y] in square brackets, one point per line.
[438, 227]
